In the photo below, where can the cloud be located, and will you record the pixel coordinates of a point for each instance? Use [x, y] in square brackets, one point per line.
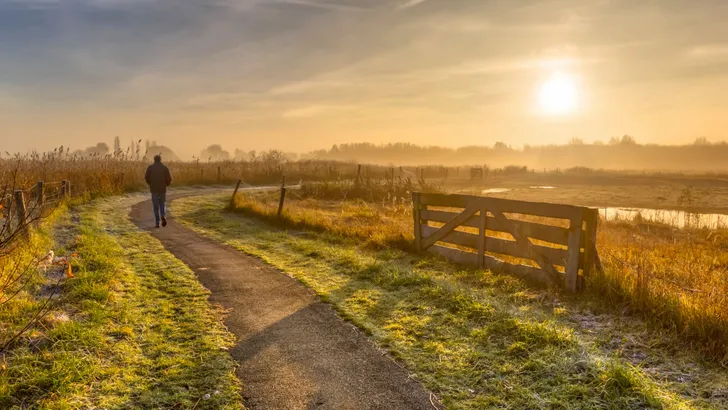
[709, 51]
[410, 3]
[313, 111]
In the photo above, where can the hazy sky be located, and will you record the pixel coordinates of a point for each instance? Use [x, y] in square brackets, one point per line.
[304, 74]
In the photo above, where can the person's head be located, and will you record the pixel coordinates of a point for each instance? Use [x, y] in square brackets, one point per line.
[157, 158]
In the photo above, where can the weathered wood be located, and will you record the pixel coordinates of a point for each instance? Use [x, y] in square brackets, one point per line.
[219, 174]
[499, 245]
[494, 264]
[21, 211]
[589, 239]
[572, 263]
[517, 250]
[39, 195]
[450, 225]
[66, 188]
[283, 197]
[455, 255]
[445, 216]
[546, 233]
[235, 192]
[544, 263]
[416, 214]
[482, 236]
[459, 238]
[543, 209]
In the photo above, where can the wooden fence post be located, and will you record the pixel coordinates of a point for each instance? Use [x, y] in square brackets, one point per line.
[20, 210]
[218, 174]
[572, 262]
[121, 182]
[417, 220]
[202, 174]
[358, 175]
[591, 219]
[483, 236]
[283, 197]
[232, 200]
[40, 195]
[66, 188]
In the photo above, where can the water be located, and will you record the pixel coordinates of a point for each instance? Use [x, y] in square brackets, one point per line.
[679, 219]
[495, 190]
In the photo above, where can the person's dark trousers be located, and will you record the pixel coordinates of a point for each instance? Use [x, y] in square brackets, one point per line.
[158, 204]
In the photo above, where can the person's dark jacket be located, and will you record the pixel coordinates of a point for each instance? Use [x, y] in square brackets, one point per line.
[158, 178]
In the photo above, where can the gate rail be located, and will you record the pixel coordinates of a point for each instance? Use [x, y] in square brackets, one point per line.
[573, 247]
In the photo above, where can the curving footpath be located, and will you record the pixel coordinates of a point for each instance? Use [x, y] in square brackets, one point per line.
[294, 351]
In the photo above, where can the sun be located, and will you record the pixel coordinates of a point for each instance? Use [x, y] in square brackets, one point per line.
[559, 94]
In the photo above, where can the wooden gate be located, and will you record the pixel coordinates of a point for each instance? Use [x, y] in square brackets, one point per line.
[501, 226]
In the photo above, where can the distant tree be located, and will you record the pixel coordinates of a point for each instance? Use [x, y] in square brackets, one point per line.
[117, 144]
[627, 140]
[576, 141]
[215, 153]
[241, 155]
[701, 141]
[501, 145]
[99, 149]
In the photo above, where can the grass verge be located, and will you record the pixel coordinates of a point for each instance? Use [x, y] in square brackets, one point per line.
[133, 329]
[477, 339]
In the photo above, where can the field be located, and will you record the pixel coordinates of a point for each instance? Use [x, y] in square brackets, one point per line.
[651, 331]
[477, 339]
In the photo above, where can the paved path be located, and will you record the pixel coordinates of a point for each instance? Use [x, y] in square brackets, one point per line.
[294, 351]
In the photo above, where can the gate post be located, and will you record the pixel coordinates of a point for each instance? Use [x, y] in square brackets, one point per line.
[574, 252]
[417, 220]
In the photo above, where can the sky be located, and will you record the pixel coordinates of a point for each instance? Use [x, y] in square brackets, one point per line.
[300, 75]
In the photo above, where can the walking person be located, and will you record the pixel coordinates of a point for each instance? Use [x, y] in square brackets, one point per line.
[158, 178]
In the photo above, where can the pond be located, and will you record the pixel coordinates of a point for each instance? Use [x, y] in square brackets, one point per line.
[679, 219]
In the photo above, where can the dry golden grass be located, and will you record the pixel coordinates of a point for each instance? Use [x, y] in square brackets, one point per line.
[674, 278]
[97, 175]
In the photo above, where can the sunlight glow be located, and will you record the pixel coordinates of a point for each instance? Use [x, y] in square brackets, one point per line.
[558, 95]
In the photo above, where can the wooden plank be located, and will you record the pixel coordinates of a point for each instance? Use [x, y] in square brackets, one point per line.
[444, 216]
[524, 271]
[450, 225]
[541, 232]
[523, 241]
[547, 233]
[416, 213]
[499, 245]
[469, 240]
[452, 200]
[543, 209]
[572, 263]
[455, 255]
[494, 264]
[515, 249]
[505, 205]
[589, 239]
[482, 236]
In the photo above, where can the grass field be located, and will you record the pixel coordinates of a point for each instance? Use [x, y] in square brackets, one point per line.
[675, 278]
[132, 329]
[477, 339]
